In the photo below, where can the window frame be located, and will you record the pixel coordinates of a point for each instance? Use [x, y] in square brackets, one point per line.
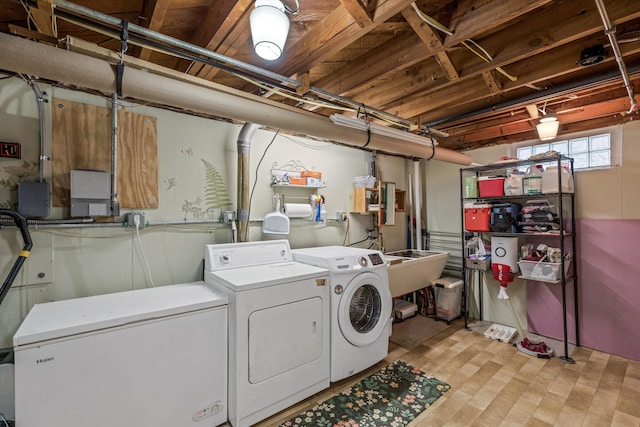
[615, 145]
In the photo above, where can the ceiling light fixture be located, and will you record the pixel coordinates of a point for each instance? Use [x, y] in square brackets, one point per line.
[270, 27]
[548, 126]
[366, 126]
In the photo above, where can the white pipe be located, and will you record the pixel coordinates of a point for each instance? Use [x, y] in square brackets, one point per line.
[244, 178]
[610, 31]
[416, 197]
[21, 55]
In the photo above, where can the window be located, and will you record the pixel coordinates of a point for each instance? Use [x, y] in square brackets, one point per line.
[598, 150]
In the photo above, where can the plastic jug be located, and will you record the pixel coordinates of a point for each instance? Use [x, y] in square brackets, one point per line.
[532, 180]
[513, 184]
[550, 180]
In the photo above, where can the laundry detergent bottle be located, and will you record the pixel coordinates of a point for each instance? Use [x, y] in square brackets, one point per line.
[532, 180]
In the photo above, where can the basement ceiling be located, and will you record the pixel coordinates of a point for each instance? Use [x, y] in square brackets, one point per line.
[482, 77]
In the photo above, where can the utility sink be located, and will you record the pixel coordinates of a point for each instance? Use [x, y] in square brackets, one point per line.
[413, 269]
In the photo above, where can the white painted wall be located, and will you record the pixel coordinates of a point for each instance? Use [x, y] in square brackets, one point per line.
[79, 262]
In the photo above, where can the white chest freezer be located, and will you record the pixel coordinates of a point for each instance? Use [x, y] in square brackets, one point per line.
[151, 357]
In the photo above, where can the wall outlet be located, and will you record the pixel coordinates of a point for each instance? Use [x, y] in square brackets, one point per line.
[227, 217]
[341, 216]
[135, 219]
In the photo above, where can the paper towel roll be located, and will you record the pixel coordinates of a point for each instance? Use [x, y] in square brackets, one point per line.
[297, 210]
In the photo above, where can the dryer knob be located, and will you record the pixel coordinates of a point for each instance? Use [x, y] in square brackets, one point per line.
[338, 289]
[225, 257]
[362, 261]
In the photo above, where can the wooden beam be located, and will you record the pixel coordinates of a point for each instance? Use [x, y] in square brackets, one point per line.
[44, 18]
[533, 111]
[492, 81]
[34, 35]
[432, 42]
[360, 12]
[154, 11]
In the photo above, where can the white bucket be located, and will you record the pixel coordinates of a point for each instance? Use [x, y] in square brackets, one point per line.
[550, 180]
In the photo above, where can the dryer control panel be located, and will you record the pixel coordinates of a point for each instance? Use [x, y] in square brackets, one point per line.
[376, 259]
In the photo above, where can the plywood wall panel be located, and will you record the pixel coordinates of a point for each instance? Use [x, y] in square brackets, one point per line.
[81, 139]
[137, 161]
[81, 136]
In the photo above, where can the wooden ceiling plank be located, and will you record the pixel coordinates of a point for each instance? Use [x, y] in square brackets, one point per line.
[545, 31]
[335, 32]
[557, 62]
[358, 12]
[396, 54]
[478, 20]
[233, 30]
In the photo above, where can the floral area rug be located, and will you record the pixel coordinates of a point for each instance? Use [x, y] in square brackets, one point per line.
[391, 397]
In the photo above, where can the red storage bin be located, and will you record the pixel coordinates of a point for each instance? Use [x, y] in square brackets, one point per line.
[491, 186]
[477, 218]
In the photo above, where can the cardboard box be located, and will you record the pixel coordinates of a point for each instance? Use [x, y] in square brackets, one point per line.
[297, 181]
[311, 174]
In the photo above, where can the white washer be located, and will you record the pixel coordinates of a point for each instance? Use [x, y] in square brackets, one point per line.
[278, 326]
[361, 305]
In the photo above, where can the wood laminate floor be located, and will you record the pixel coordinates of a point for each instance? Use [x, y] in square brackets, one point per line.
[493, 384]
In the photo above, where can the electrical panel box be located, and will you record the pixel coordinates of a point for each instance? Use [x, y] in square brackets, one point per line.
[33, 199]
[90, 193]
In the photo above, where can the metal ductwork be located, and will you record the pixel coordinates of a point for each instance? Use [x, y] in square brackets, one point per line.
[20, 55]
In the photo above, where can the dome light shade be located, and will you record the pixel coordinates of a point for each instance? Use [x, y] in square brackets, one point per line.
[269, 28]
[547, 129]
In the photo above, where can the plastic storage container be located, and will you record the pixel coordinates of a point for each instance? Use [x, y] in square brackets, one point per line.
[532, 180]
[491, 186]
[470, 187]
[543, 271]
[513, 184]
[448, 292]
[477, 217]
[550, 180]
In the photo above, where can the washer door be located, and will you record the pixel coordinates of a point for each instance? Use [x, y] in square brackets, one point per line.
[364, 309]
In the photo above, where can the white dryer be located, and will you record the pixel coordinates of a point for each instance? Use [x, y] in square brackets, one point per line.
[278, 326]
[361, 305]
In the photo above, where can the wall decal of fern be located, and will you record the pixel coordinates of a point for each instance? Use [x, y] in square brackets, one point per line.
[215, 192]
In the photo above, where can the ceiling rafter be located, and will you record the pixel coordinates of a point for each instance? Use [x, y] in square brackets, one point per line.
[360, 12]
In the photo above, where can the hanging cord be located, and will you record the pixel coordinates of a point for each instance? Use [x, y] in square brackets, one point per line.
[433, 143]
[256, 181]
[124, 37]
[366, 123]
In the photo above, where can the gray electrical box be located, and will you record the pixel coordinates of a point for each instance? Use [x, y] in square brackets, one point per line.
[33, 199]
[90, 193]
